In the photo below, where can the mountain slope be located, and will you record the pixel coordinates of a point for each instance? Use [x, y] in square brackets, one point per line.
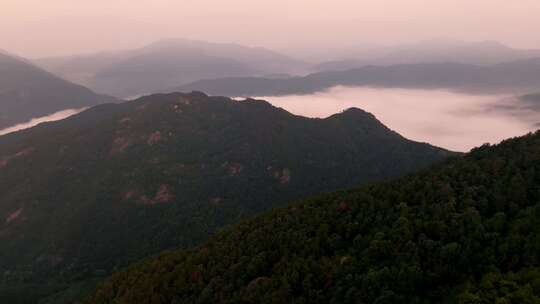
[166, 64]
[118, 182]
[516, 77]
[163, 68]
[465, 231]
[258, 58]
[27, 92]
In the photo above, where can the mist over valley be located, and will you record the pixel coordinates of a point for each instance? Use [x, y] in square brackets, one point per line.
[456, 121]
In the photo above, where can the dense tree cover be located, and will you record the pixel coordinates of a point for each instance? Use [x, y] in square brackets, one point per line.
[83, 196]
[466, 231]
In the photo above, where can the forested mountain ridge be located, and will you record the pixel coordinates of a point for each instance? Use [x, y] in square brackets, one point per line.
[118, 182]
[464, 231]
[27, 92]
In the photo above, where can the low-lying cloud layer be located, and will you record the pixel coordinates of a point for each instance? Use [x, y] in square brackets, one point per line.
[451, 120]
[35, 121]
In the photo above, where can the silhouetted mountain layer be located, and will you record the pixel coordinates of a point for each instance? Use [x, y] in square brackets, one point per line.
[27, 92]
[516, 77]
[466, 231]
[166, 64]
[118, 182]
[434, 51]
[533, 99]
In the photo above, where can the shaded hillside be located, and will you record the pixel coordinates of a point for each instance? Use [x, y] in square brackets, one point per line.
[27, 92]
[466, 231]
[115, 183]
[517, 77]
[166, 64]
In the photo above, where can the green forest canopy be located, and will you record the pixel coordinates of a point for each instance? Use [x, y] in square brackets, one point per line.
[466, 231]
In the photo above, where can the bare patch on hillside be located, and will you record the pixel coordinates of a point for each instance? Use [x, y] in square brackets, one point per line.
[154, 138]
[163, 194]
[119, 145]
[14, 216]
[233, 168]
[4, 161]
[283, 176]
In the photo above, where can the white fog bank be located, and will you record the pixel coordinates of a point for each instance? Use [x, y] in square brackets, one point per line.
[35, 121]
[450, 120]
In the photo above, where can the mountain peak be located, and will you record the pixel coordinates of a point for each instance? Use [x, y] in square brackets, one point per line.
[356, 114]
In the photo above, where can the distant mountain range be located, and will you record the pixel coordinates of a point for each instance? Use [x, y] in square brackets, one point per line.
[27, 92]
[166, 64]
[115, 183]
[432, 51]
[465, 231]
[178, 63]
[517, 77]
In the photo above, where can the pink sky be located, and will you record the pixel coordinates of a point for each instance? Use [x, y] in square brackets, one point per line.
[35, 28]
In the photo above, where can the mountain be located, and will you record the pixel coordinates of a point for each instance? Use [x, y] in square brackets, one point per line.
[527, 102]
[435, 51]
[533, 98]
[465, 231]
[168, 63]
[27, 92]
[517, 77]
[115, 183]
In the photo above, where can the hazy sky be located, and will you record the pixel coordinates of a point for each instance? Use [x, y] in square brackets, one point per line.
[35, 28]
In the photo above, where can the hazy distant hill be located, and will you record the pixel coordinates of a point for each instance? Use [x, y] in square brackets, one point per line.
[117, 182]
[166, 64]
[466, 231]
[532, 97]
[517, 77]
[27, 92]
[435, 51]
[530, 101]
